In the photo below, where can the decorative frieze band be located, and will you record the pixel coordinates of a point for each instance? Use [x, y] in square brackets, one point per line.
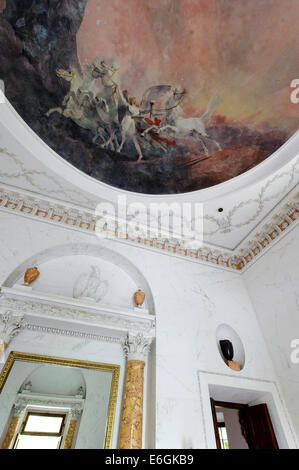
[75, 406]
[113, 323]
[69, 313]
[71, 333]
[72, 217]
[269, 233]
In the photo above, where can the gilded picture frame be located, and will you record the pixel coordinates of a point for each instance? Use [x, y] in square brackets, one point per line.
[114, 369]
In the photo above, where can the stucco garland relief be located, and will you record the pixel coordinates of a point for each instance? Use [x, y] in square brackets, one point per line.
[76, 218]
[33, 177]
[226, 224]
[29, 205]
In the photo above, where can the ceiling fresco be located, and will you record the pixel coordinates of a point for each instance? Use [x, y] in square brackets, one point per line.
[156, 97]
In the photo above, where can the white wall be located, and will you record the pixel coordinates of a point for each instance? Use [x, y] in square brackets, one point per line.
[195, 300]
[273, 285]
[191, 300]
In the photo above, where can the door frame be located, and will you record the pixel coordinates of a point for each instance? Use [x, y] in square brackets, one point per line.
[283, 427]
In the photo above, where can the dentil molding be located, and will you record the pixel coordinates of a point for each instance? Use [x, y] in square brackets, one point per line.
[70, 333]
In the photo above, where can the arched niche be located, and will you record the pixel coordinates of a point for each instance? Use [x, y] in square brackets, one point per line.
[52, 379]
[60, 266]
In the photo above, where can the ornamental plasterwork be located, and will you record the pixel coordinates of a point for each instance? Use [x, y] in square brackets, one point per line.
[278, 222]
[54, 310]
[136, 346]
[75, 406]
[42, 181]
[227, 224]
[90, 285]
[285, 219]
[10, 326]
[72, 333]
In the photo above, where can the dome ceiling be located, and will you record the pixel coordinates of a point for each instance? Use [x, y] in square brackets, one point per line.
[161, 97]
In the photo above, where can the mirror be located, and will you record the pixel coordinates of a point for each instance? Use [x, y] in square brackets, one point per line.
[50, 402]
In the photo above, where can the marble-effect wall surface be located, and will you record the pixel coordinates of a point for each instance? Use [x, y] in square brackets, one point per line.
[273, 285]
[191, 300]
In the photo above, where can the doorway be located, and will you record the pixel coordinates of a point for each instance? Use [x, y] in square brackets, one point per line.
[239, 426]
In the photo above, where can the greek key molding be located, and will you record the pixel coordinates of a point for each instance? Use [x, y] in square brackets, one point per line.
[62, 214]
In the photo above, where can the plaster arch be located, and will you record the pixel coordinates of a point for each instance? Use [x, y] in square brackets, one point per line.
[52, 379]
[88, 250]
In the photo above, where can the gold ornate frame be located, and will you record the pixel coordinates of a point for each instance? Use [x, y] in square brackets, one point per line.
[19, 356]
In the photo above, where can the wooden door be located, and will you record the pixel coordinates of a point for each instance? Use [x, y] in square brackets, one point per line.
[257, 427]
[215, 423]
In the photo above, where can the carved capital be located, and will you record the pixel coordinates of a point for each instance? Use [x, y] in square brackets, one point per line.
[19, 407]
[10, 326]
[76, 412]
[136, 347]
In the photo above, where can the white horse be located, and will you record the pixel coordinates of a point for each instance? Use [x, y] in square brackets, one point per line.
[69, 106]
[187, 127]
[78, 102]
[115, 111]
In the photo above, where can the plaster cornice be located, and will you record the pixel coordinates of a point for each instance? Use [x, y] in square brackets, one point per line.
[61, 214]
[114, 321]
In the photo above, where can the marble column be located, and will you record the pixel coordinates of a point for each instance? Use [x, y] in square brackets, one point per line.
[135, 348]
[10, 326]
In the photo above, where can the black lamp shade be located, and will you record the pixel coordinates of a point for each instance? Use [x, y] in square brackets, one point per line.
[227, 349]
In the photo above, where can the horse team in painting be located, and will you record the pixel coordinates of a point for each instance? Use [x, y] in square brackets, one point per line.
[96, 102]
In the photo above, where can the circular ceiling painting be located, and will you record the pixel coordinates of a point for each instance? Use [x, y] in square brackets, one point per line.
[157, 97]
